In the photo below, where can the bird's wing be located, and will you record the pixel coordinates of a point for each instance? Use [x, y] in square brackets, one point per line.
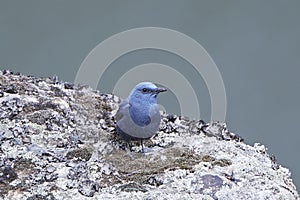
[122, 107]
[154, 114]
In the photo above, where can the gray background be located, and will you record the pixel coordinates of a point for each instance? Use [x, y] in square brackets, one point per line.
[254, 43]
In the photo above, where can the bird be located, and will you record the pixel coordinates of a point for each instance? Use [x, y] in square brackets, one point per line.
[138, 116]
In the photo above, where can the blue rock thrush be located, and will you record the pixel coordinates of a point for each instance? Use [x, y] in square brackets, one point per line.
[138, 116]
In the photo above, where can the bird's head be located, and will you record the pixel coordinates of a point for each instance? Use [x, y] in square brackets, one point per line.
[145, 92]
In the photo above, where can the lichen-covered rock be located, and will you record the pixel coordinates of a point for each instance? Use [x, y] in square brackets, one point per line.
[58, 141]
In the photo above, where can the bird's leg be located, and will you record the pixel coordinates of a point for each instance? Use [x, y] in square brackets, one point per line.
[128, 150]
[129, 145]
[142, 145]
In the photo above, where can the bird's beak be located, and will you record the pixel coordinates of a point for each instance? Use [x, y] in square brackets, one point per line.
[159, 90]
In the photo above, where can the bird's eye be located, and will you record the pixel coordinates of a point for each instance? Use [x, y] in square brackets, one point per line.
[145, 90]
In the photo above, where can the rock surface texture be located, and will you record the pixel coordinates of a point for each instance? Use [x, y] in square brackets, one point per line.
[58, 141]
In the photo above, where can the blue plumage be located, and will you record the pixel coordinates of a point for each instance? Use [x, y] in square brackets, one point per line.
[138, 116]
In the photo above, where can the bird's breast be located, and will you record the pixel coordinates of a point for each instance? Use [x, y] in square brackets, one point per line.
[140, 115]
[139, 123]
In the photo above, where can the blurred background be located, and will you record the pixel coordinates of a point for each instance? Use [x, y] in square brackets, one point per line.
[255, 44]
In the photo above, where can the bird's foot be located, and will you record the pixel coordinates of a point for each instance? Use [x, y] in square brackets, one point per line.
[146, 150]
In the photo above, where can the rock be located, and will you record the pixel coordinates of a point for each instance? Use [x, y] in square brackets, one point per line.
[207, 184]
[58, 141]
[7, 174]
[69, 85]
[88, 188]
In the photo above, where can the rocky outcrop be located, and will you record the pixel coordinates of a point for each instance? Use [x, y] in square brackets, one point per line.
[58, 141]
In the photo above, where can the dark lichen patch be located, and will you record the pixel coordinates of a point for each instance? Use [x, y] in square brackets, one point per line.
[132, 187]
[21, 170]
[83, 153]
[154, 181]
[7, 174]
[216, 162]
[24, 167]
[12, 89]
[108, 181]
[41, 197]
[105, 104]
[207, 158]
[4, 189]
[222, 162]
